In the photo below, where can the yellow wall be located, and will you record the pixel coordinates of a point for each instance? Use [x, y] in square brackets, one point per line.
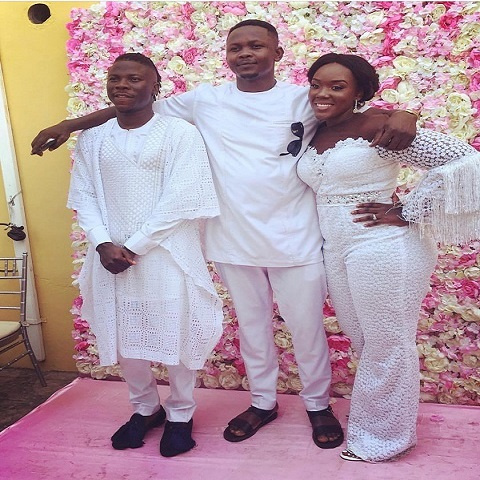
[33, 60]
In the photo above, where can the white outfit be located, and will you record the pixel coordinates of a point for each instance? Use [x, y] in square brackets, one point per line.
[267, 222]
[377, 277]
[147, 189]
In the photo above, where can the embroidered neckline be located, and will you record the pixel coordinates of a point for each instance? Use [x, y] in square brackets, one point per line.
[341, 143]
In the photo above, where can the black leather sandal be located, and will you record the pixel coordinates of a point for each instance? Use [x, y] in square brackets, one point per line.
[249, 422]
[325, 424]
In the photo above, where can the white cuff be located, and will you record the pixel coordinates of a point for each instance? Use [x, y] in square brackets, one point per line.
[98, 235]
[139, 243]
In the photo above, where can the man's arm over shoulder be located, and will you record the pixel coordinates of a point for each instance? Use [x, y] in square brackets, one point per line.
[61, 132]
[183, 105]
[399, 130]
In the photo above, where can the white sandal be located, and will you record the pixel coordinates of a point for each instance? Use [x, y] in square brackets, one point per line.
[350, 456]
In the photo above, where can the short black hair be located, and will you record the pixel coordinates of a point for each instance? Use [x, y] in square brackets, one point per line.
[139, 58]
[256, 23]
[364, 73]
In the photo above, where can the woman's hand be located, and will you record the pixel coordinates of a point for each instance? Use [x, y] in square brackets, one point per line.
[373, 214]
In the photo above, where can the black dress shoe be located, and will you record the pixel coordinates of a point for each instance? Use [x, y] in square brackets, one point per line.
[132, 433]
[176, 438]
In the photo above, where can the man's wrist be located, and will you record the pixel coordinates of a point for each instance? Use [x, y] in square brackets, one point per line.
[413, 112]
[102, 245]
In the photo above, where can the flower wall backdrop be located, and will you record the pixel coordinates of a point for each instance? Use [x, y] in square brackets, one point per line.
[428, 58]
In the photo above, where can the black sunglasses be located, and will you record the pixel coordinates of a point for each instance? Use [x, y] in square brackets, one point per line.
[294, 147]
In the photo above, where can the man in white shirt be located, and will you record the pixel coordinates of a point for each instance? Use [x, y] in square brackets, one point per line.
[266, 242]
[141, 183]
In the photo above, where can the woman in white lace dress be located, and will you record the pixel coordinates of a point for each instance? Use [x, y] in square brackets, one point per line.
[377, 277]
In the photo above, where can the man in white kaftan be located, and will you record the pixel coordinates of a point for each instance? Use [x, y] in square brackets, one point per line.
[146, 190]
[165, 185]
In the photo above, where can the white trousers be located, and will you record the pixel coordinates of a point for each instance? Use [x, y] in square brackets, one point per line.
[377, 279]
[143, 391]
[300, 293]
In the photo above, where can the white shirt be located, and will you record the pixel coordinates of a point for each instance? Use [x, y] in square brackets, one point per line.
[131, 142]
[268, 215]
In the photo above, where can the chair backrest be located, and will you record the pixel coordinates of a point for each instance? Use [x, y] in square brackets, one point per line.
[13, 285]
[13, 296]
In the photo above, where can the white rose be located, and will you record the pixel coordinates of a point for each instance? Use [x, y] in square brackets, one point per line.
[373, 37]
[198, 17]
[376, 17]
[160, 372]
[446, 399]
[465, 132]
[230, 379]
[299, 49]
[341, 388]
[331, 325]
[294, 383]
[98, 372]
[282, 386]
[76, 106]
[471, 361]
[404, 64]
[472, 272]
[458, 101]
[227, 21]
[177, 65]
[406, 91]
[299, 5]
[427, 397]
[158, 50]
[136, 19]
[176, 44]
[436, 363]
[390, 95]
[283, 339]
[210, 381]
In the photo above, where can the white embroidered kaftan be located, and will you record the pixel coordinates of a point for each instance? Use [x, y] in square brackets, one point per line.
[165, 307]
[377, 277]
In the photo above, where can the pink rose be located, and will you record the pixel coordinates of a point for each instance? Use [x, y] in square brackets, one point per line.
[187, 9]
[339, 342]
[189, 55]
[180, 85]
[237, 8]
[81, 346]
[449, 21]
[390, 82]
[469, 288]
[474, 59]
[388, 44]
[328, 310]
[240, 366]
[476, 142]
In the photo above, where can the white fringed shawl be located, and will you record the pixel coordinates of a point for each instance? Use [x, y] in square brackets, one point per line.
[446, 201]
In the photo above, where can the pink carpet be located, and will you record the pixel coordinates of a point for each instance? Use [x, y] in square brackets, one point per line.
[68, 437]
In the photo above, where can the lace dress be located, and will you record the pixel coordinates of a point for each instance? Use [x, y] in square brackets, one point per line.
[377, 277]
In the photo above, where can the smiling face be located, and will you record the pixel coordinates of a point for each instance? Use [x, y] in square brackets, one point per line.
[131, 86]
[251, 55]
[332, 95]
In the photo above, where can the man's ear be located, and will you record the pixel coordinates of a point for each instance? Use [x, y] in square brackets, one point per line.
[156, 90]
[279, 54]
